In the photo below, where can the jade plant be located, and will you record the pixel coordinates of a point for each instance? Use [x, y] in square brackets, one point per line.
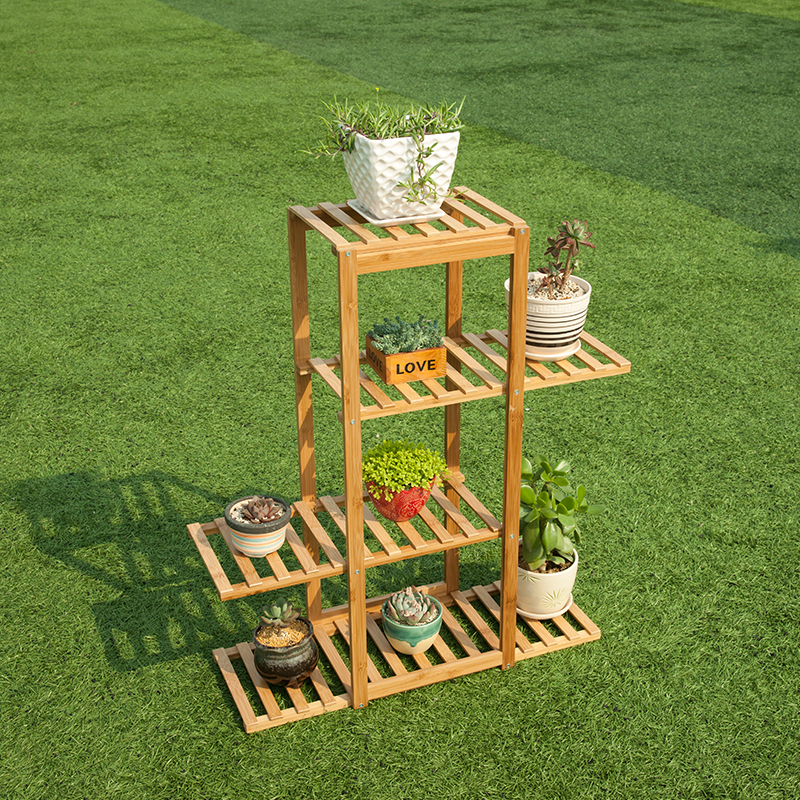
[410, 606]
[564, 247]
[382, 121]
[258, 510]
[399, 336]
[396, 465]
[549, 511]
[278, 614]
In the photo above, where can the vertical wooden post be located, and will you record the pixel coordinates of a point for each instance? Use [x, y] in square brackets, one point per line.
[515, 401]
[302, 382]
[452, 413]
[354, 510]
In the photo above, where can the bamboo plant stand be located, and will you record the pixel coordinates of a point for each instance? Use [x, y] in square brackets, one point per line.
[480, 628]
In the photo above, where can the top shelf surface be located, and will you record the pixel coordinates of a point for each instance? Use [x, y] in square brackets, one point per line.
[465, 231]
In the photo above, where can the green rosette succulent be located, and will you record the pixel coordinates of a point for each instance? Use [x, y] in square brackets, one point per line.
[278, 614]
[410, 606]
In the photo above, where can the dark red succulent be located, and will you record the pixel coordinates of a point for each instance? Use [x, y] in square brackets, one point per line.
[566, 243]
[261, 509]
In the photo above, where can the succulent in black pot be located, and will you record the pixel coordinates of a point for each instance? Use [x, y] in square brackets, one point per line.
[285, 650]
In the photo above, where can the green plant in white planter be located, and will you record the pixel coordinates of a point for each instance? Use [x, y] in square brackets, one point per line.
[399, 160]
[549, 511]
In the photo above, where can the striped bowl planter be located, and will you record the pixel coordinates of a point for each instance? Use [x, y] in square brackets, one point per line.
[258, 540]
[552, 327]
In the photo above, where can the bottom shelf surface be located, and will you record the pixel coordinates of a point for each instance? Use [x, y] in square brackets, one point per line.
[468, 642]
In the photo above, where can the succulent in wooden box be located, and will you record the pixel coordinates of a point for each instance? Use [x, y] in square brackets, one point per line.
[399, 336]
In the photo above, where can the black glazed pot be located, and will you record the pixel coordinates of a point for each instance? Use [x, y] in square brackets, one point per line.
[290, 665]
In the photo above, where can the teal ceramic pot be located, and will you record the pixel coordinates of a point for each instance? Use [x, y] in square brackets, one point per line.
[411, 639]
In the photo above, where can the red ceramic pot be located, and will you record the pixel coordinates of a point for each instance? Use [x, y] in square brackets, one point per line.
[398, 506]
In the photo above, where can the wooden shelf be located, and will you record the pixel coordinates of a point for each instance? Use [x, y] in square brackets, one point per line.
[468, 643]
[426, 535]
[473, 380]
[481, 628]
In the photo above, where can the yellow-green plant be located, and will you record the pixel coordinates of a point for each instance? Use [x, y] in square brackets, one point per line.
[396, 465]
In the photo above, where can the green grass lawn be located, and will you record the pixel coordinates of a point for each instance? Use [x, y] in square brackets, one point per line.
[149, 154]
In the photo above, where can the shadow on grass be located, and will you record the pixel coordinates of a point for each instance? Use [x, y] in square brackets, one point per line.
[129, 535]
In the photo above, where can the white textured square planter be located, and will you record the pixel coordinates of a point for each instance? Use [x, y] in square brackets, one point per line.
[552, 327]
[376, 167]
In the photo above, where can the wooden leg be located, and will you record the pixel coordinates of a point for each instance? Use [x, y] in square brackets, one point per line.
[354, 504]
[515, 402]
[452, 414]
[305, 416]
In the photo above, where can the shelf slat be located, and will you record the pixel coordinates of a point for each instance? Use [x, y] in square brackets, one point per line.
[320, 534]
[463, 523]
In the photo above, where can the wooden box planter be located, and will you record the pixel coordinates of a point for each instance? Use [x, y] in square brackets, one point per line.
[405, 367]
